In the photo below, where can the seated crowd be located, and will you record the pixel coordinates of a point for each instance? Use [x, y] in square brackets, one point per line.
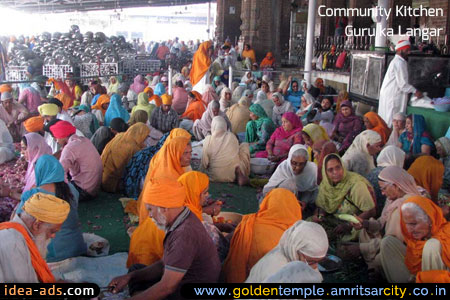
[138, 141]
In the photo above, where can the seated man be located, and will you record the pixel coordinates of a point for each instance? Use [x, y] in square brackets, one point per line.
[80, 160]
[164, 118]
[189, 253]
[25, 239]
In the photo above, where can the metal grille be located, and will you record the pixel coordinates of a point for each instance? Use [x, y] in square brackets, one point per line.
[16, 73]
[56, 71]
[93, 69]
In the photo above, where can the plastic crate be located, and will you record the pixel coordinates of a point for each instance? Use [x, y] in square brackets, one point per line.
[94, 69]
[16, 73]
[56, 71]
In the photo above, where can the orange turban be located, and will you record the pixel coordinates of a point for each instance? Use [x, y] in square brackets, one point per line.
[34, 124]
[164, 192]
[5, 88]
[166, 99]
[157, 99]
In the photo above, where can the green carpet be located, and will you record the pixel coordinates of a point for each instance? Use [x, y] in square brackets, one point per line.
[104, 216]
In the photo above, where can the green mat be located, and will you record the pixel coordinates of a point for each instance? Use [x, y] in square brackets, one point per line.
[104, 216]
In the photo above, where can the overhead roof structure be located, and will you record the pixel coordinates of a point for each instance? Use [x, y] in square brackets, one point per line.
[59, 6]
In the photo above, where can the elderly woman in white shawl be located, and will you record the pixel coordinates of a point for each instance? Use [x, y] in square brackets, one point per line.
[280, 107]
[6, 144]
[297, 172]
[223, 159]
[202, 127]
[359, 157]
[225, 99]
[305, 242]
[267, 105]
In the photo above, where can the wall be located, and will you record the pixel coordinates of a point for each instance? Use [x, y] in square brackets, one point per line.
[228, 25]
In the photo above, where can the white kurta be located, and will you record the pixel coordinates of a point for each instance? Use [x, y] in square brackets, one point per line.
[15, 260]
[394, 90]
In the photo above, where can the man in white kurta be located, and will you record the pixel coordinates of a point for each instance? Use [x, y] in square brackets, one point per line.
[395, 88]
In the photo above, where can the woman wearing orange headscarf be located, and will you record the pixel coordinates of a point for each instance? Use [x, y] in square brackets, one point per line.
[157, 99]
[427, 237]
[249, 53]
[194, 111]
[100, 107]
[200, 66]
[374, 122]
[428, 173]
[268, 61]
[259, 233]
[167, 163]
[118, 152]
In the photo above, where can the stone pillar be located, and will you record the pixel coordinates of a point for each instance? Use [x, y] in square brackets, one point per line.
[228, 20]
[262, 25]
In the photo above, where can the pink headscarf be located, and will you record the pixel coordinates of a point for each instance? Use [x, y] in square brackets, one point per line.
[138, 85]
[209, 95]
[36, 147]
[404, 181]
[281, 134]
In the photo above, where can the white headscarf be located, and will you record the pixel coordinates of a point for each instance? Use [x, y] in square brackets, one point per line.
[237, 93]
[261, 99]
[295, 272]
[308, 86]
[306, 181]
[357, 157]
[244, 78]
[391, 156]
[308, 238]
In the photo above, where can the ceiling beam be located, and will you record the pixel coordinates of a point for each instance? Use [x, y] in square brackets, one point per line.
[48, 6]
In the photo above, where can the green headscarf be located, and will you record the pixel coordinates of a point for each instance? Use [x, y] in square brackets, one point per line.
[254, 126]
[331, 196]
[143, 104]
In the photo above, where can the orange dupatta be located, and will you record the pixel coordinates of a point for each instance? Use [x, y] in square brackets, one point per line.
[249, 54]
[268, 61]
[434, 276]
[378, 125]
[440, 230]
[195, 183]
[40, 266]
[195, 109]
[259, 233]
[200, 63]
[101, 100]
[165, 163]
[429, 174]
